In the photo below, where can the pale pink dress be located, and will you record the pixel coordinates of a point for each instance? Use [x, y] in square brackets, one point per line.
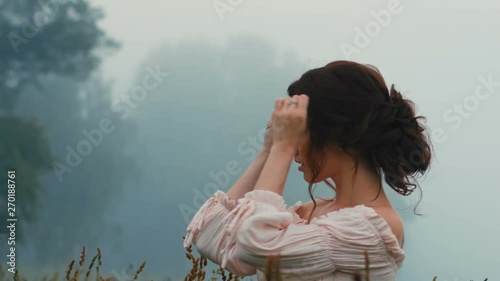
[240, 236]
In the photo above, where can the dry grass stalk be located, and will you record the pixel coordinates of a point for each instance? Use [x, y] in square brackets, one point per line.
[139, 270]
[16, 275]
[82, 260]
[90, 267]
[99, 259]
[78, 272]
[223, 273]
[70, 268]
[272, 270]
[201, 264]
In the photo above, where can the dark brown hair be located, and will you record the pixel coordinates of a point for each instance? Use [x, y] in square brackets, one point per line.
[351, 106]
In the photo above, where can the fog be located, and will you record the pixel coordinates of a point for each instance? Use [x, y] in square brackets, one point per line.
[177, 111]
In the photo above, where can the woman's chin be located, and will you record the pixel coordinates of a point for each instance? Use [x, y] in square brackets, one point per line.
[306, 174]
[308, 179]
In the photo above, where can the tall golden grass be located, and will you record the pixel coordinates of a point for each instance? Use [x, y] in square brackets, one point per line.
[76, 271]
[79, 273]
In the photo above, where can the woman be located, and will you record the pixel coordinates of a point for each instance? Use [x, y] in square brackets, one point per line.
[341, 122]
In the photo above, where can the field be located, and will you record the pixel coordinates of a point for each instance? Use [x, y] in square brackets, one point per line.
[78, 271]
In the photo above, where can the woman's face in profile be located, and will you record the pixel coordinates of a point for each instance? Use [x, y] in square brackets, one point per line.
[330, 154]
[301, 158]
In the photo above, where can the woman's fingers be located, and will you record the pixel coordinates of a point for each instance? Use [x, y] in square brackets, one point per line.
[297, 102]
[289, 119]
[288, 104]
[279, 104]
[303, 102]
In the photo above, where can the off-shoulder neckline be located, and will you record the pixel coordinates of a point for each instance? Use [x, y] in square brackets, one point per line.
[379, 222]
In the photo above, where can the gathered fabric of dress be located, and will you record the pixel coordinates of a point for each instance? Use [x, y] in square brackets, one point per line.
[242, 235]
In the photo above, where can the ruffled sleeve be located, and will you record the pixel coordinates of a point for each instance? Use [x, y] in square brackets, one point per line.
[214, 207]
[208, 232]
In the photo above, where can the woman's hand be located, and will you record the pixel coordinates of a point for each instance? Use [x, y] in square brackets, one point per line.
[288, 131]
[289, 121]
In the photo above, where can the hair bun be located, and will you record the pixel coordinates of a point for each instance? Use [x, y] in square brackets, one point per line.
[403, 111]
[408, 143]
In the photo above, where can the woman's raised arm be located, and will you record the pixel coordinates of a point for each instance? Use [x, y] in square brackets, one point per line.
[249, 178]
[207, 229]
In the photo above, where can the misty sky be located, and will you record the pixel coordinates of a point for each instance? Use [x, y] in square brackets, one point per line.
[438, 53]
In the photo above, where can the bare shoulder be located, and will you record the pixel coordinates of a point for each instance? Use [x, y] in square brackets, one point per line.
[394, 220]
[387, 212]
